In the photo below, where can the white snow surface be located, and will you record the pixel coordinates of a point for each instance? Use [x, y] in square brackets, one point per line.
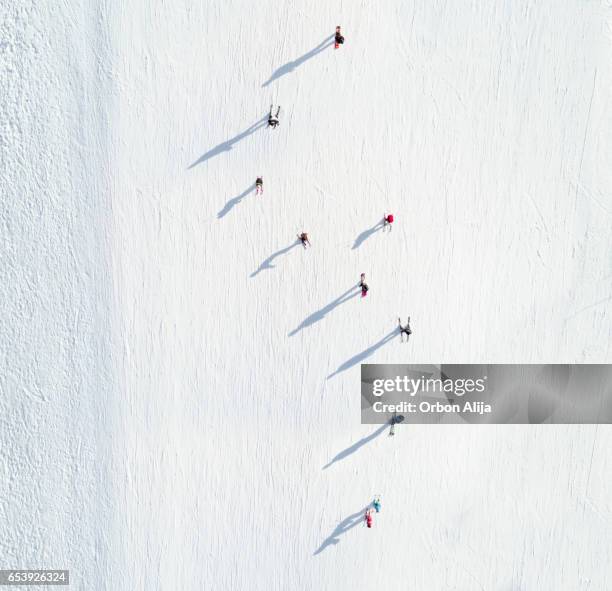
[180, 402]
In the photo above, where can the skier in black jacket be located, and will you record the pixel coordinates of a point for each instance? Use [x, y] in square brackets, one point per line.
[273, 119]
[404, 330]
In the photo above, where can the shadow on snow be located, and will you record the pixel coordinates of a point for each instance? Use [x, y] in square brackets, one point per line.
[267, 264]
[229, 144]
[235, 201]
[353, 448]
[365, 354]
[367, 233]
[320, 314]
[290, 66]
[349, 523]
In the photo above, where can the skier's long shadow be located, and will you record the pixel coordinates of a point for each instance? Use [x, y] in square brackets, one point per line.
[235, 201]
[320, 314]
[290, 66]
[229, 144]
[366, 234]
[349, 523]
[353, 448]
[267, 264]
[364, 354]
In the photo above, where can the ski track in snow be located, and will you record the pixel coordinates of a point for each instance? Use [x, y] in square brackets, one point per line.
[179, 387]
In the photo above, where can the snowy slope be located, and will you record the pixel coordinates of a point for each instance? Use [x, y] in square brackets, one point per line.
[57, 382]
[205, 369]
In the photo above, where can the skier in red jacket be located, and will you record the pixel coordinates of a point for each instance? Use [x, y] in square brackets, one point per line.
[364, 286]
[388, 221]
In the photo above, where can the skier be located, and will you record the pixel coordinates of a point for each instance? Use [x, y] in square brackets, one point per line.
[273, 119]
[404, 330]
[304, 239]
[376, 504]
[364, 286]
[368, 517]
[259, 185]
[388, 220]
[339, 39]
[395, 419]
